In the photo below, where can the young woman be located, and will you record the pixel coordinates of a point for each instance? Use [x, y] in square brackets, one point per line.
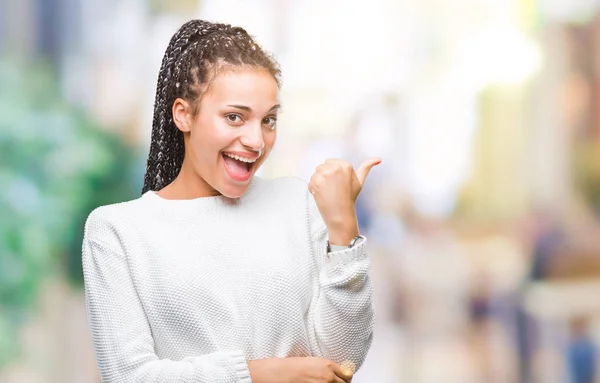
[214, 275]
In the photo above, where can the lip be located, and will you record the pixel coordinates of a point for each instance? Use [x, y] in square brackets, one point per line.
[236, 177]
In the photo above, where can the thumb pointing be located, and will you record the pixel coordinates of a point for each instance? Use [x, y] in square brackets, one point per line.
[364, 168]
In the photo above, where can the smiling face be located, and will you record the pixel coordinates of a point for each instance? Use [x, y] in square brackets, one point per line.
[231, 134]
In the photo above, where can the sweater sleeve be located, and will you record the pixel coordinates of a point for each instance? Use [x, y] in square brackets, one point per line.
[121, 333]
[342, 314]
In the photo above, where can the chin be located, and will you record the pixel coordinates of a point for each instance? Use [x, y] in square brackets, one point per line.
[230, 201]
[234, 192]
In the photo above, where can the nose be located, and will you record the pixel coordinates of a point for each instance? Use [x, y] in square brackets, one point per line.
[252, 137]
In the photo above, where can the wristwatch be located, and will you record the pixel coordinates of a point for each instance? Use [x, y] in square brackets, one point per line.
[351, 245]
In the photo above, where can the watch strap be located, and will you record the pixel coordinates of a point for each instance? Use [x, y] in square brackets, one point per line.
[351, 245]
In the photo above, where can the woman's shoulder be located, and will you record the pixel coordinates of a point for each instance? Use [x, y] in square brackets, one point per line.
[105, 221]
[118, 210]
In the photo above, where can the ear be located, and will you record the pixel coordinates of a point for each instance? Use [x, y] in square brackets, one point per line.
[182, 114]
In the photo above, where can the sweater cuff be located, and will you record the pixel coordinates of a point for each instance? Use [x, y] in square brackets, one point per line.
[240, 366]
[347, 255]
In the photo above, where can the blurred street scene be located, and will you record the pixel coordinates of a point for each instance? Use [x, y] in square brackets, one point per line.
[483, 219]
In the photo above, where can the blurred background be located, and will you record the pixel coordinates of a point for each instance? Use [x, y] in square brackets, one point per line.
[484, 218]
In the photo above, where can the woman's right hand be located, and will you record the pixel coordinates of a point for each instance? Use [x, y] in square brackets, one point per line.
[296, 370]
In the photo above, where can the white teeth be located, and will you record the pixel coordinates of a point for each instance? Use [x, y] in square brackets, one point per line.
[248, 160]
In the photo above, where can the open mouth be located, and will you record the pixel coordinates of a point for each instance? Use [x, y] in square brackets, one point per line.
[239, 168]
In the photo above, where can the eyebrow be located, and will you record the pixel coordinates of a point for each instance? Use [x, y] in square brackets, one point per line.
[248, 109]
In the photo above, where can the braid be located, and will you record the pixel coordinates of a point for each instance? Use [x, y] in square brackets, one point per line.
[197, 47]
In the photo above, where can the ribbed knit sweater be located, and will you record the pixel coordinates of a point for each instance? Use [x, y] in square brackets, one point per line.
[190, 290]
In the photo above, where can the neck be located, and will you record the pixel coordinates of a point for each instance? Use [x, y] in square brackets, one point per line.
[188, 185]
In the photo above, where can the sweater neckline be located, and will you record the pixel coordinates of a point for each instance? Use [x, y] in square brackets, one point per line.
[200, 203]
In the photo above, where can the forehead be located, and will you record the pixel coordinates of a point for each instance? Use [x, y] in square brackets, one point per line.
[248, 86]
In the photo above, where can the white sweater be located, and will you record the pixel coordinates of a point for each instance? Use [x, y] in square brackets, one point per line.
[189, 290]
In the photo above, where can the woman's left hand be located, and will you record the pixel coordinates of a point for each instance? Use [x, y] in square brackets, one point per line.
[336, 186]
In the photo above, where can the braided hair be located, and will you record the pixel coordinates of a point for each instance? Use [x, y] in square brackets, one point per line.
[195, 54]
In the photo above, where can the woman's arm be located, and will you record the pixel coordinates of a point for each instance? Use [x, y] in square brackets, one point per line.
[121, 333]
[341, 314]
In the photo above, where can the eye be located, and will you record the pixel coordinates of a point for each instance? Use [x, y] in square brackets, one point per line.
[270, 122]
[233, 118]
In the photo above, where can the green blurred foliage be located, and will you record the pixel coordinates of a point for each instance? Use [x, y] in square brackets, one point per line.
[56, 166]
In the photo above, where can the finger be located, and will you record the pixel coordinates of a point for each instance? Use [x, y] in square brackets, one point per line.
[343, 373]
[348, 368]
[316, 180]
[322, 167]
[343, 379]
[364, 168]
